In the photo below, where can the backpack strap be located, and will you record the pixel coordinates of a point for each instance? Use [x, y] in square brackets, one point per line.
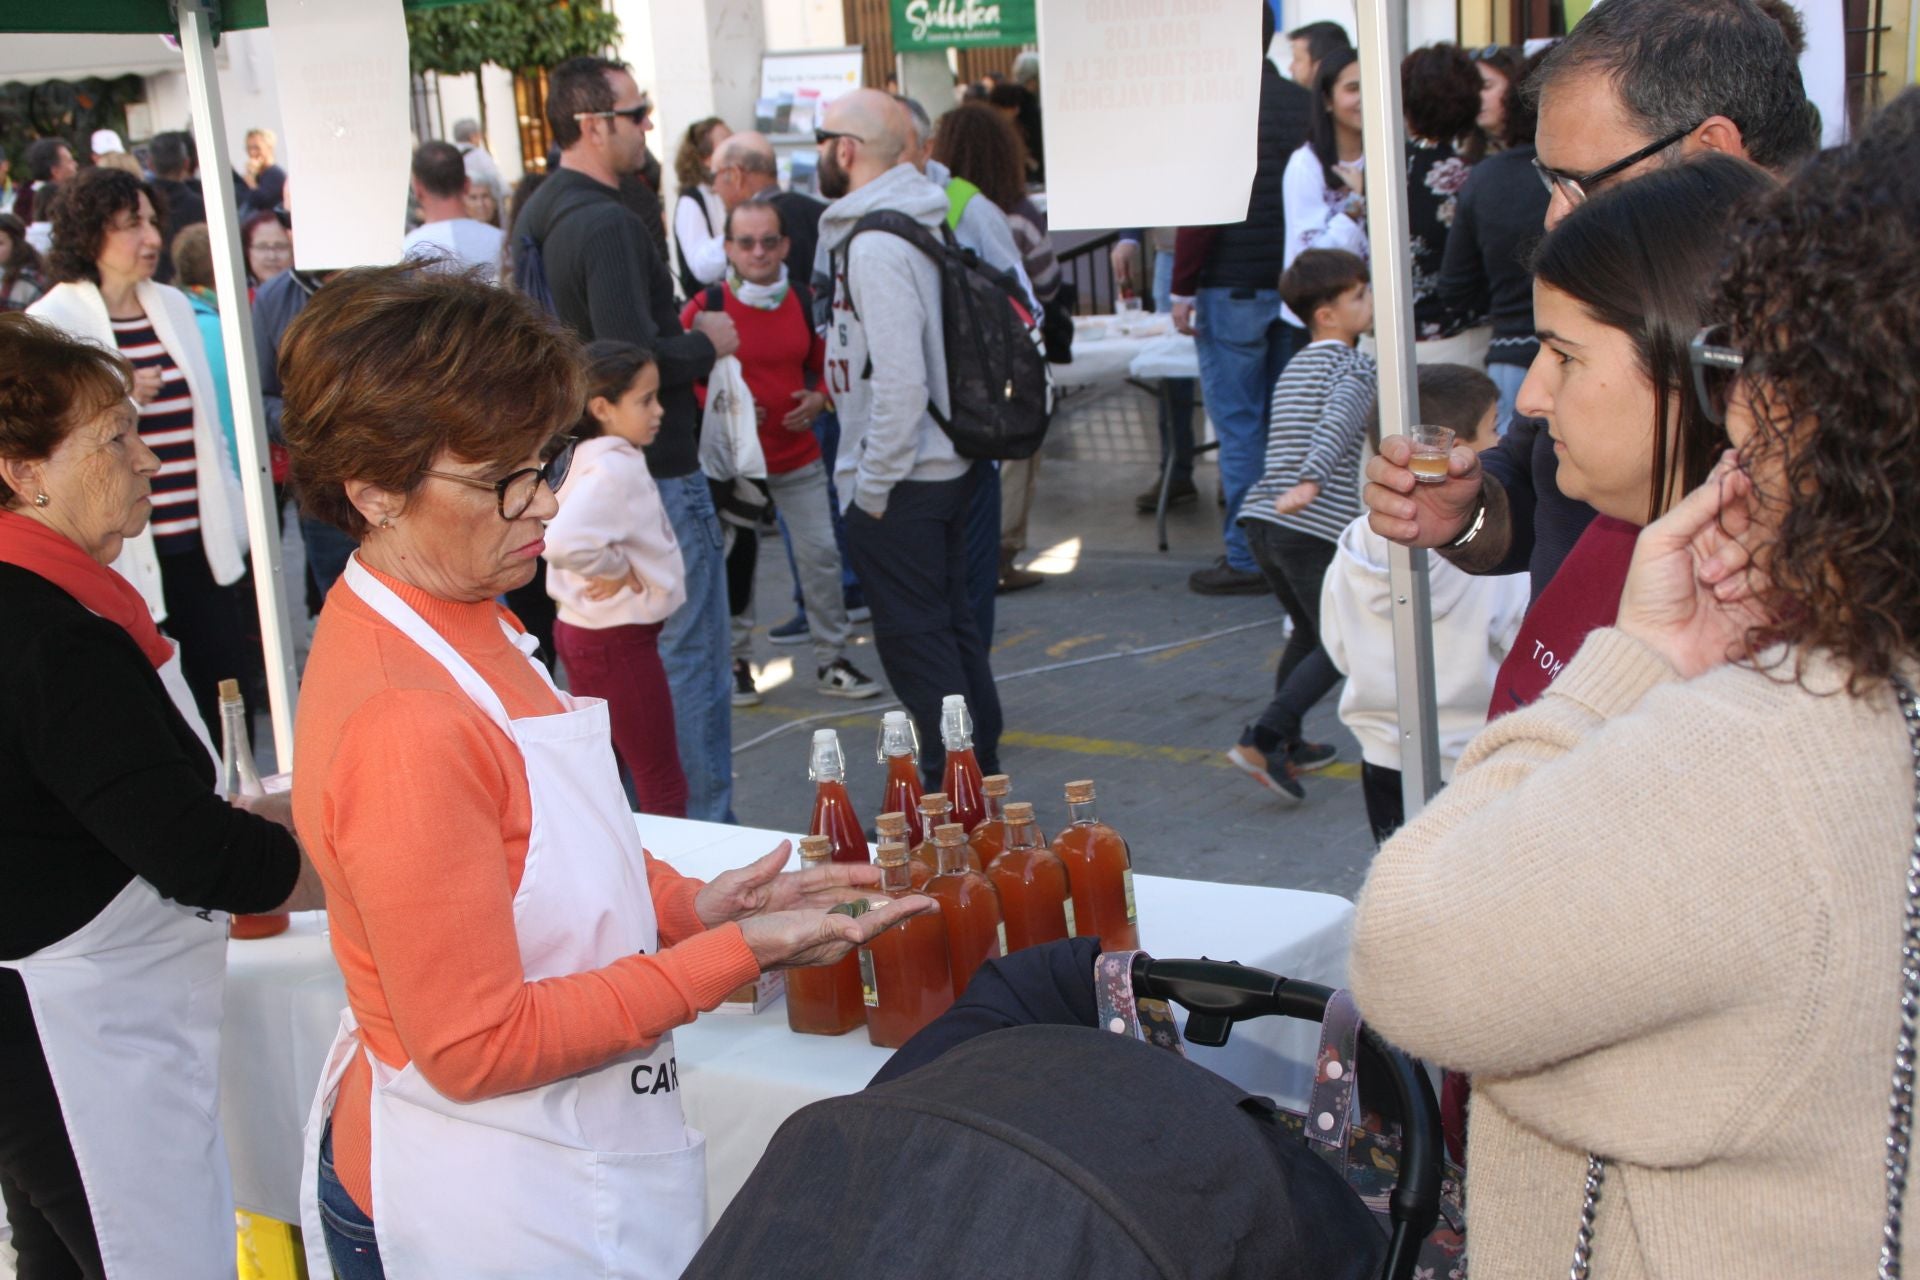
[716, 298]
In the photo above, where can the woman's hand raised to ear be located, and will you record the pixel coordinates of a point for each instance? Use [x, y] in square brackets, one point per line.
[1689, 594]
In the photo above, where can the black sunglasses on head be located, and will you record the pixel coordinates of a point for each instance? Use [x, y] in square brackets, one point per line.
[1715, 366]
[824, 136]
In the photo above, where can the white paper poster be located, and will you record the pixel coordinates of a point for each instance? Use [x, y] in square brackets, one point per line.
[796, 87]
[1151, 110]
[342, 72]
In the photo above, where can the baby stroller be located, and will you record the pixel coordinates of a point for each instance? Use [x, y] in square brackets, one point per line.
[1050, 1151]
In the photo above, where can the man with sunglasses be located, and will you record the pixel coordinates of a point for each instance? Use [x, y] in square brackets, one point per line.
[1638, 85]
[608, 280]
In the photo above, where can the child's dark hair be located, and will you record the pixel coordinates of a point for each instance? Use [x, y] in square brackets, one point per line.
[1453, 395]
[1319, 276]
[611, 368]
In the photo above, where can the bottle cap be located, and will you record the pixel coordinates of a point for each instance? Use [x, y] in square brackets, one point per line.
[996, 784]
[826, 763]
[898, 737]
[934, 803]
[956, 726]
[890, 853]
[1079, 792]
[949, 833]
[1019, 811]
[814, 848]
[229, 691]
[891, 826]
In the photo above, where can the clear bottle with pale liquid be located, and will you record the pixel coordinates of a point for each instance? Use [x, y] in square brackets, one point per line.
[239, 777]
[1100, 871]
[970, 905]
[899, 750]
[824, 1000]
[906, 977]
[1034, 893]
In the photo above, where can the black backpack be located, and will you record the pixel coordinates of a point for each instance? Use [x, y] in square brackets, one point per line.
[530, 265]
[999, 389]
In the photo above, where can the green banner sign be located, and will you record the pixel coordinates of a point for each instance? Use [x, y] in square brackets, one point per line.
[921, 25]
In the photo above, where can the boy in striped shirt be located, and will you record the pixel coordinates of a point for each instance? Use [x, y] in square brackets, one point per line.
[1323, 406]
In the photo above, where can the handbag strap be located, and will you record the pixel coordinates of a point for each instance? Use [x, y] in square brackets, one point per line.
[1900, 1097]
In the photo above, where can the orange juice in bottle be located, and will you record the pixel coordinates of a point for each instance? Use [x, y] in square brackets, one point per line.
[824, 1000]
[1100, 871]
[1034, 895]
[990, 837]
[905, 976]
[934, 812]
[976, 929]
[961, 779]
[899, 750]
[833, 815]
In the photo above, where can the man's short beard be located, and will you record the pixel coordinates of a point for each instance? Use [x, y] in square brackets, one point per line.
[834, 181]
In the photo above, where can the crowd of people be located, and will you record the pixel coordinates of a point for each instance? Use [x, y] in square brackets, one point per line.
[1664, 344]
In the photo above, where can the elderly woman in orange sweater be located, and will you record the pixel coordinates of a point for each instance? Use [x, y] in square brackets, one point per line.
[502, 1099]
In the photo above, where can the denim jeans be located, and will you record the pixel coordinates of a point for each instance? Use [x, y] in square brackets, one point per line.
[351, 1246]
[1176, 406]
[1508, 378]
[693, 648]
[1243, 344]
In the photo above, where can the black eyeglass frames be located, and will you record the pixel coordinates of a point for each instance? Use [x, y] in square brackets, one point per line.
[637, 115]
[1715, 366]
[1576, 186]
[514, 493]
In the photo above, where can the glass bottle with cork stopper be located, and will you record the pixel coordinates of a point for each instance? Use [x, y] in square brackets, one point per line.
[239, 777]
[824, 1000]
[906, 977]
[833, 815]
[1034, 893]
[934, 811]
[970, 905]
[899, 750]
[961, 779]
[990, 837]
[1100, 871]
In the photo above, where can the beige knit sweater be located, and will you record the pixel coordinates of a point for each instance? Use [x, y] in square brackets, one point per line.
[1660, 920]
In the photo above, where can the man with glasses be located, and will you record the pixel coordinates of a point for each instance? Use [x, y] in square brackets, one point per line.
[608, 280]
[1639, 84]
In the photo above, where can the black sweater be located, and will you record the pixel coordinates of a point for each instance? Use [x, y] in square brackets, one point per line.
[102, 780]
[1546, 522]
[608, 281]
[1497, 222]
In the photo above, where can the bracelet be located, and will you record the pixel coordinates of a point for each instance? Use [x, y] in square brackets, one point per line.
[1478, 523]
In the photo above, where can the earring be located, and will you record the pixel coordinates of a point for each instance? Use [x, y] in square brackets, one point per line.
[41, 499]
[386, 522]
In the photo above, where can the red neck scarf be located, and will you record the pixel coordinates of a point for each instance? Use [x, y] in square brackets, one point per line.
[57, 558]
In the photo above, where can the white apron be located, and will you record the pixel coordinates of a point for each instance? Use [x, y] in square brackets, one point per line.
[128, 1010]
[595, 1175]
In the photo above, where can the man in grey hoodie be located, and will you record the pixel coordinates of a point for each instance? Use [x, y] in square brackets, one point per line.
[906, 491]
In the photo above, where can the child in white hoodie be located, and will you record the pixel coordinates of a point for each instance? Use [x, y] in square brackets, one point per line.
[1474, 618]
[615, 572]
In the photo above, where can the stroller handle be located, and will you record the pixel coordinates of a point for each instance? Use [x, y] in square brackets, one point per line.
[1217, 994]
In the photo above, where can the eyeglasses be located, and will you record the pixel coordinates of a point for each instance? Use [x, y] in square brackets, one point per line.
[747, 244]
[514, 493]
[1715, 367]
[1574, 186]
[823, 136]
[638, 115]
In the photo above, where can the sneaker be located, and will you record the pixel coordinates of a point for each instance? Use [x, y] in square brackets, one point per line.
[792, 631]
[1308, 756]
[1275, 773]
[1015, 579]
[841, 679]
[1179, 494]
[1222, 579]
[744, 694]
[859, 613]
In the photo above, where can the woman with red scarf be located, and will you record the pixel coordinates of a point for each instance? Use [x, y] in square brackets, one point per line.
[119, 857]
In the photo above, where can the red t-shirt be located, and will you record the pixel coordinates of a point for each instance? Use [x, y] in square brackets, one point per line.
[779, 354]
[1583, 597]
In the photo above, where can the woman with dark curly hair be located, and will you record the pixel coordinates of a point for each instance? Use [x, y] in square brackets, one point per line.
[1672, 889]
[190, 559]
[1441, 97]
[699, 219]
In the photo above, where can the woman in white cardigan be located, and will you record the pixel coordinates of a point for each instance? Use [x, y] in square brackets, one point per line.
[1325, 181]
[189, 561]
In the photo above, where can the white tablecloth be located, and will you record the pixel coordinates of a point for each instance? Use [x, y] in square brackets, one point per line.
[1102, 354]
[741, 1076]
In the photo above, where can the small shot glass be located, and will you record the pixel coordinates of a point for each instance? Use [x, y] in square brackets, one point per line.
[1128, 311]
[1432, 447]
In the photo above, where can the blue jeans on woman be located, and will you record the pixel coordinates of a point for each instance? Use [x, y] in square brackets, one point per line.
[695, 648]
[1243, 344]
[351, 1246]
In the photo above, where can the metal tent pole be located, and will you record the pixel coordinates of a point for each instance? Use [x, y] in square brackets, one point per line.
[243, 368]
[1382, 28]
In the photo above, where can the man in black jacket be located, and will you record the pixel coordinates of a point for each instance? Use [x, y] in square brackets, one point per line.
[173, 167]
[1231, 275]
[608, 280]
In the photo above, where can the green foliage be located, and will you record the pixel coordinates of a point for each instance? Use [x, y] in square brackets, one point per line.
[520, 35]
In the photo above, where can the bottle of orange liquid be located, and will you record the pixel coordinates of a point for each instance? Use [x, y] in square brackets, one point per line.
[825, 1000]
[976, 929]
[961, 780]
[833, 815]
[899, 750]
[1034, 895]
[1100, 870]
[990, 837]
[905, 976]
[890, 826]
[934, 812]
